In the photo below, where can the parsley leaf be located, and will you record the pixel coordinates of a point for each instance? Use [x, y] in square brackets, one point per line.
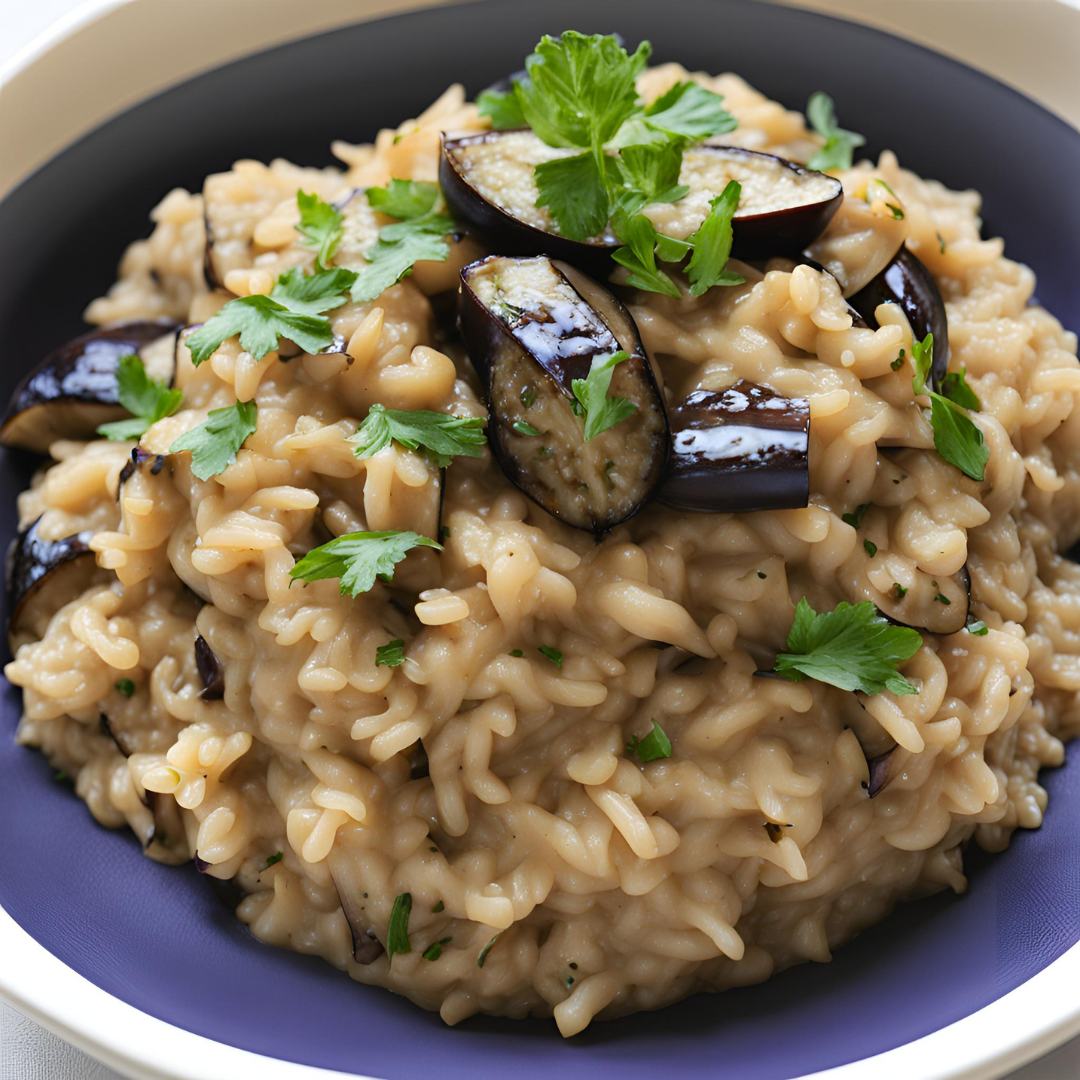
[955, 387]
[856, 519]
[652, 175]
[214, 443]
[978, 628]
[320, 225]
[418, 234]
[552, 654]
[654, 746]
[837, 152]
[639, 256]
[293, 311]
[852, 647]
[501, 108]
[146, 399]
[404, 199]
[486, 949]
[871, 549]
[601, 412]
[392, 654]
[580, 89]
[434, 950]
[126, 687]
[576, 193]
[397, 936]
[956, 437]
[441, 435]
[272, 860]
[686, 111]
[359, 558]
[712, 244]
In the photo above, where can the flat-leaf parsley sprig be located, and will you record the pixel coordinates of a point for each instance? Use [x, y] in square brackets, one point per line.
[215, 442]
[836, 154]
[441, 436]
[956, 436]
[359, 558]
[599, 410]
[579, 92]
[147, 399]
[853, 647]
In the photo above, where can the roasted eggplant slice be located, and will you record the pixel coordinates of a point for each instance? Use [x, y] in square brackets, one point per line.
[347, 879]
[210, 671]
[533, 326]
[907, 282]
[42, 576]
[882, 771]
[73, 389]
[489, 183]
[744, 448]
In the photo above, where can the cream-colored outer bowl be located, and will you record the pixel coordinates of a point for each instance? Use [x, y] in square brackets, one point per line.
[107, 55]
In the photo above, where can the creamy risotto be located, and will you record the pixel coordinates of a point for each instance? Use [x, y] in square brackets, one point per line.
[556, 767]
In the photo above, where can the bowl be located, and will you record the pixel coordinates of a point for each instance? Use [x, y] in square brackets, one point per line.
[146, 966]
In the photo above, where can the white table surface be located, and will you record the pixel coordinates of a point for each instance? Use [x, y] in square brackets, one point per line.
[28, 1051]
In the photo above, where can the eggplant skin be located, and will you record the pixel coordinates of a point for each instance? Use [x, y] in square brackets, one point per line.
[784, 206]
[737, 450]
[210, 671]
[34, 566]
[907, 282]
[73, 390]
[531, 327]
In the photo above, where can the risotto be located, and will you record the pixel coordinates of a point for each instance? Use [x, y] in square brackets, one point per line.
[519, 716]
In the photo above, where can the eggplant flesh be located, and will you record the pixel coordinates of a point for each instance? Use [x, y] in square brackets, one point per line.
[489, 183]
[907, 282]
[741, 449]
[73, 390]
[533, 326]
[42, 576]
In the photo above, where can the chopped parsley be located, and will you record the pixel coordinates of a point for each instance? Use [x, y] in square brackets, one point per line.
[275, 858]
[61, 777]
[836, 154]
[654, 746]
[517, 653]
[392, 654]
[871, 548]
[527, 397]
[397, 936]
[418, 234]
[855, 519]
[941, 242]
[486, 949]
[148, 400]
[441, 435]
[215, 442]
[956, 437]
[552, 654]
[898, 363]
[600, 411]
[899, 590]
[434, 950]
[977, 627]
[522, 428]
[853, 647]
[294, 310]
[126, 687]
[359, 558]
[440, 906]
[320, 226]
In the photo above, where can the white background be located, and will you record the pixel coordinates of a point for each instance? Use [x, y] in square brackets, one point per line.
[27, 1051]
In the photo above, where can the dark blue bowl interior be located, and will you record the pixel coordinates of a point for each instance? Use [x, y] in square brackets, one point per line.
[161, 938]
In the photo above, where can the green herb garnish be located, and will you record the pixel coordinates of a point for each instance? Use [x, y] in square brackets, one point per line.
[441, 435]
[517, 653]
[486, 949]
[146, 399]
[977, 627]
[856, 519]
[552, 654]
[600, 411]
[294, 310]
[955, 387]
[712, 244]
[654, 746]
[273, 859]
[956, 437]
[501, 108]
[898, 363]
[418, 234]
[126, 687]
[215, 442]
[434, 950]
[392, 654]
[837, 152]
[359, 558]
[870, 547]
[440, 906]
[523, 428]
[397, 936]
[899, 589]
[853, 647]
[320, 226]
